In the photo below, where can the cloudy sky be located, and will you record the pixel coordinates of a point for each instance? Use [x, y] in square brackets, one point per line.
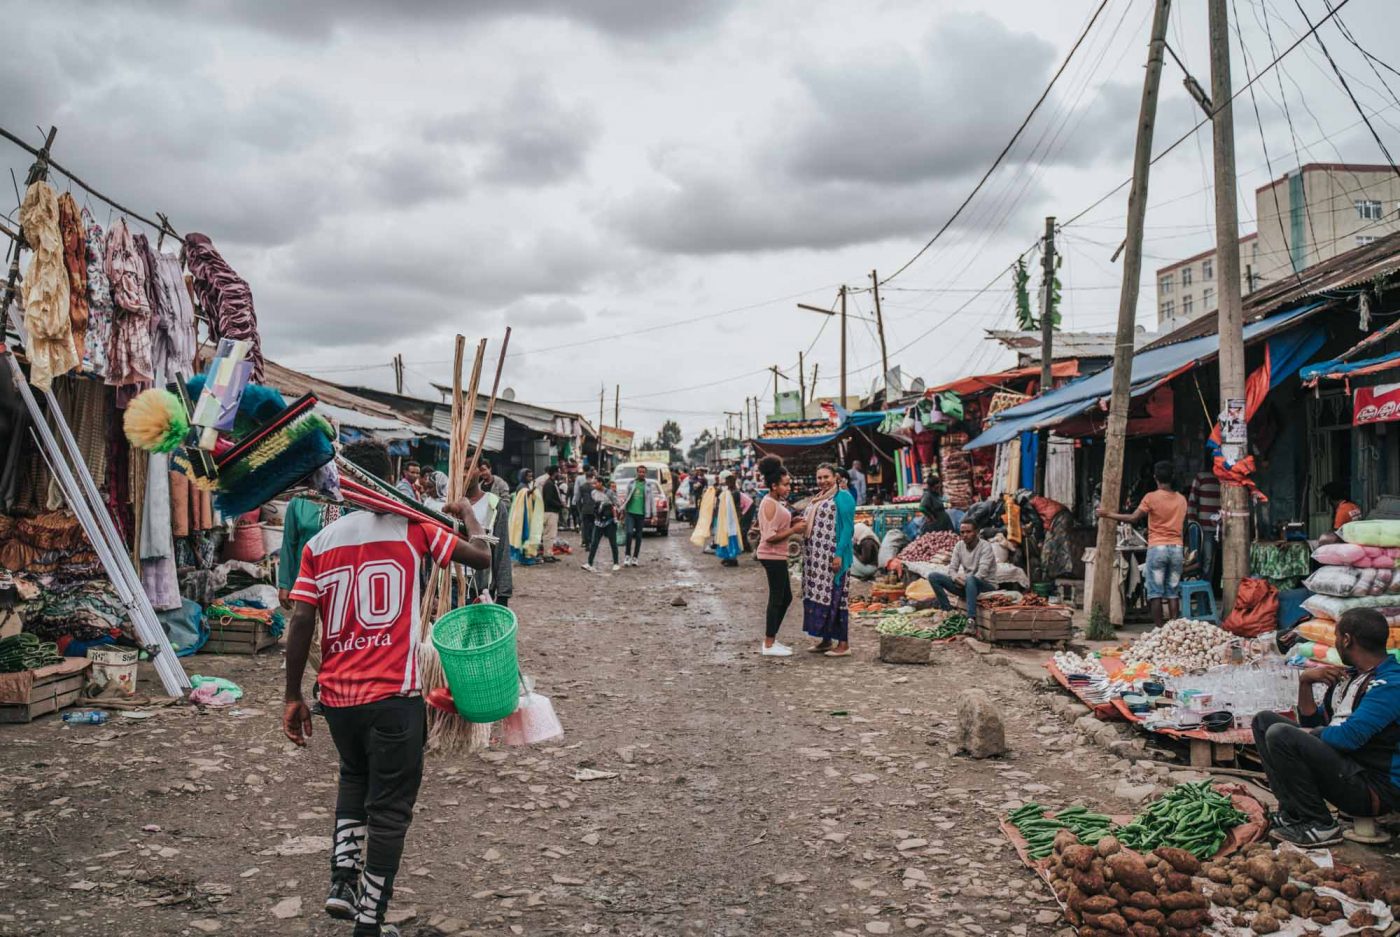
[645, 189]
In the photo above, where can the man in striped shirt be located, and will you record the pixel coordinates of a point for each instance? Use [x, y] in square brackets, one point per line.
[362, 574]
[1203, 507]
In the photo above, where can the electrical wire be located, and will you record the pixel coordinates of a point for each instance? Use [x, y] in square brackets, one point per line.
[1218, 107]
[1006, 149]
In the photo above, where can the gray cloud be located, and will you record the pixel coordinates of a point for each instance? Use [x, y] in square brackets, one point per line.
[319, 19]
[531, 137]
[554, 313]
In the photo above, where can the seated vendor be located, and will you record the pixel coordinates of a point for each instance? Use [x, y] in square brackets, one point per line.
[932, 506]
[972, 568]
[1345, 752]
[1344, 510]
[867, 551]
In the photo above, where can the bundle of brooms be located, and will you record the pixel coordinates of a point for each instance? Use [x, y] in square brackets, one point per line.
[449, 732]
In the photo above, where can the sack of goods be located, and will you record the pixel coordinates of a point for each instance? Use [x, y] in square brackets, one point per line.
[1350, 581]
[1357, 555]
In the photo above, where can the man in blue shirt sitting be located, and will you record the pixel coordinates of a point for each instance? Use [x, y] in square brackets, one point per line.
[1345, 752]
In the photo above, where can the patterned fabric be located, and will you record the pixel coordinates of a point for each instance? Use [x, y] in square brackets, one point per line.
[46, 316]
[99, 297]
[130, 352]
[224, 296]
[824, 593]
[175, 340]
[70, 228]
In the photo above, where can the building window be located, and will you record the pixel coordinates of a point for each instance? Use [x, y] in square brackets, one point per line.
[1164, 286]
[1208, 269]
[1168, 309]
[1364, 239]
[1185, 277]
[1188, 305]
[1368, 209]
[1207, 299]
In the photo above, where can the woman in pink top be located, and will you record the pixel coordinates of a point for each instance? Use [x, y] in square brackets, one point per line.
[775, 528]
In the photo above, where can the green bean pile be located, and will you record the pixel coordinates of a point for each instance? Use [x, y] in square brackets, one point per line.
[1040, 831]
[1193, 816]
[26, 652]
[902, 626]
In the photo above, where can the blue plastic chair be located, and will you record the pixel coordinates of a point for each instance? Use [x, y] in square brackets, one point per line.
[1193, 589]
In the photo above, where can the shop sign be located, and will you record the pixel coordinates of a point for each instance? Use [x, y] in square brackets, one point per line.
[615, 438]
[1378, 404]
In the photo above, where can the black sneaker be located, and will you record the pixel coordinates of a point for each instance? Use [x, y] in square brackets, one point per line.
[1307, 835]
[376, 930]
[341, 901]
[1280, 818]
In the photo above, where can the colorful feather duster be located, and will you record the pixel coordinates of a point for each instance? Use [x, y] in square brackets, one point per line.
[156, 421]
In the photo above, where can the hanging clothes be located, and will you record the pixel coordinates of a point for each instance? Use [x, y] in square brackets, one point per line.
[175, 338]
[526, 525]
[70, 228]
[99, 300]
[224, 296]
[129, 355]
[46, 317]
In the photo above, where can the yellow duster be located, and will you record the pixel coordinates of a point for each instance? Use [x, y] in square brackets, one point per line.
[526, 525]
[705, 519]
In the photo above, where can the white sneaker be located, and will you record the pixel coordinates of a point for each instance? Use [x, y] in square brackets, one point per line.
[616, 567]
[586, 568]
[777, 650]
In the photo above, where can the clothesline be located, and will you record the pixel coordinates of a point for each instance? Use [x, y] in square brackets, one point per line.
[163, 226]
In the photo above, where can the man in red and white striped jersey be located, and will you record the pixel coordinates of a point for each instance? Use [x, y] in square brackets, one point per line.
[362, 574]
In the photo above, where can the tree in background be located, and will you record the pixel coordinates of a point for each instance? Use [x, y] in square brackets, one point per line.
[1025, 319]
[699, 450]
[670, 435]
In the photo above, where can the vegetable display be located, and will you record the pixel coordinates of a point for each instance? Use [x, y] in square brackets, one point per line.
[935, 546]
[1111, 889]
[911, 626]
[1070, 663]
[1264, 890]
[1040, 831]
[1194, 817]
[1181, 642]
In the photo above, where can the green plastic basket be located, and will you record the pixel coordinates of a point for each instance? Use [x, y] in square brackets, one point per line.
[476, 644]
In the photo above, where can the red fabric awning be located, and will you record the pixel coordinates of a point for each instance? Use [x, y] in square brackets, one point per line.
[999, 381]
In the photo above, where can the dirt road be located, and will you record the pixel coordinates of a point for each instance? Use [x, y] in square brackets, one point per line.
[753, 796]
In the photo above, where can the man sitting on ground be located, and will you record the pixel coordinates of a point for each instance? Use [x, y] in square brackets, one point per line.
[971, 570]
[1346, 751]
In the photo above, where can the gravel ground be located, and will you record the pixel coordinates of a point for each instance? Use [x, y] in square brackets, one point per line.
[752, 796]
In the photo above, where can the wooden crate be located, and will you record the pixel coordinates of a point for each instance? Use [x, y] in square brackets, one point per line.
[1037, 623]
[234, 636]
[32, 693]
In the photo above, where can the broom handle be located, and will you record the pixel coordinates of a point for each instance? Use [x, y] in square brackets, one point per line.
[461, 443]
[491, 407]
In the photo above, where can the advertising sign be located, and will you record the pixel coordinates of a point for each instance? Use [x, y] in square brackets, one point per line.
[1378, 404]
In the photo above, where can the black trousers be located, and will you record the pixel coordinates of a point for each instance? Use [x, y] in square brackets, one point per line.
[381, 768]
[635, 524]
[779, 594]
[585, 524]
[601, 533]
[1306, 774]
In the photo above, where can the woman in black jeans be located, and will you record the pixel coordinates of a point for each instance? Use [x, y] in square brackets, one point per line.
[603, 503]
[775, 528]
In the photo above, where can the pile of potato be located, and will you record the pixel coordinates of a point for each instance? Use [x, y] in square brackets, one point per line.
[1266, 890]
[1110, 890]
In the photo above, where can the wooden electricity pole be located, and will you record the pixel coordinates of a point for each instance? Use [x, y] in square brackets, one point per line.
[617, 406]
[602, 401]
[1047, 349]
[880, 328]
[398, 374]
[843, 344]
[1234, 506]
[1116, 440]
[814, 388]
[802, 385]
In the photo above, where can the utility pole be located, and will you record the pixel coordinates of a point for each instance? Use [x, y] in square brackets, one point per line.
[617, 406]
[801, 385]
[843, 344]
[880, 328]
[1234, 506]
[1117, 436]
[602, 397]
[1047, 353]
[814, 388]
[398, 374]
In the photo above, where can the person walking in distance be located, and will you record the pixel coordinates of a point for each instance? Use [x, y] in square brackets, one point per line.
[493, 513]
[638, 500]
[582, 501]
[361, 574]
[1165, 510]
[858, 488]
[553, 507]
[410, 483]
[775, 529]
[603, 504]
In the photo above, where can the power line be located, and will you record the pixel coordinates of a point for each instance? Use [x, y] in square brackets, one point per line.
[1006, 149]
[1218, 107]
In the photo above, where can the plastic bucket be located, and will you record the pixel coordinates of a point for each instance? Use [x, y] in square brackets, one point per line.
[476, 644]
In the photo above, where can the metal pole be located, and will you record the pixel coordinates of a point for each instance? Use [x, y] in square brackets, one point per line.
[1235, 503]
[1116, 440]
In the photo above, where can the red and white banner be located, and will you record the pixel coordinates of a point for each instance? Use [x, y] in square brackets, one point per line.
[1378, 404]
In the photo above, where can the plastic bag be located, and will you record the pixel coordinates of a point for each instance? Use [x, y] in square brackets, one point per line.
[1255, 611]
[1374, 533]
[1348, 581]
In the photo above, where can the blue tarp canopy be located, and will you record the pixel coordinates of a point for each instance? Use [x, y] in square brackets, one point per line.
[861, 418]
[1336, 368]
[1150, 369]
